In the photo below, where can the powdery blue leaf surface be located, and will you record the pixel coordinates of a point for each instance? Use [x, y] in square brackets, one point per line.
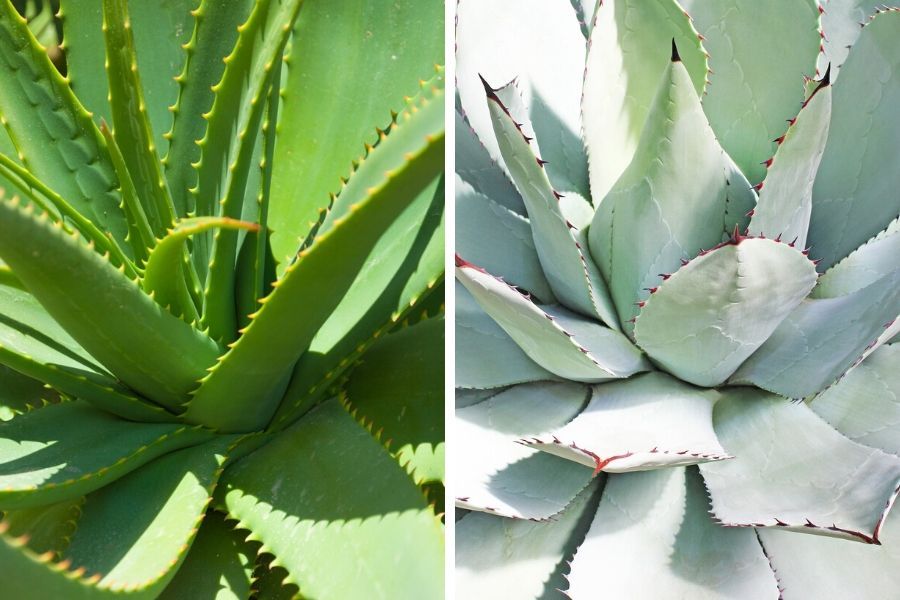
[862, 267]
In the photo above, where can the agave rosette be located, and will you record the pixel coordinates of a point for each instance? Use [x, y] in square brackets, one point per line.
[677, 284]
[222, 339]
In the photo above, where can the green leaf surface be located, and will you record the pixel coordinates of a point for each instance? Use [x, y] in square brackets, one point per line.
[672, 197]
[66, 450]
[160, 29]
[49, 528]
[865, 404]
[54, 135]
[756, 82]
[822, 339]
[381, 51]
[340, 515]
[652, 538]
[558, 340]
[793, 471]
[647, 422]
[486, 357]
[251, 377]
[476, 167]
[785, 200]
[862, 267]
[512, 558]
[500, 240]
[19, 393]
[628, 53]
[564, 260]
[701, 323]
[497, 474]
[855, 193]
[215, 31]
[149, 349]
[506, 40]
[219, 565]
[398, 388]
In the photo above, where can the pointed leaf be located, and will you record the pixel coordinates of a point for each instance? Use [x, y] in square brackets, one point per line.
[492, 235]
[756, 82]
[709, 316]
[652, 538]
[508, 39]
[620, 431]
[822, 339]
[493, 473]
[624, 66]
[382, 53]
[672, 197]
[865, 405]
[340, 514]
[398, 388]
[476, 167]
[511, 558]
[152, 351]
[243, 390]
[478, 336]
[854, 196]
[785, 200]
[560, 341]
[862, 267]
[66, 450]
[564, 260]
[792, 470]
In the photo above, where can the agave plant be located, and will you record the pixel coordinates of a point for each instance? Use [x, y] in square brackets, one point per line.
[677, 283]
[221, 330]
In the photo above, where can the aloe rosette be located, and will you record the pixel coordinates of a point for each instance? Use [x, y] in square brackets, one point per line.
[221, 336]
[677, 284]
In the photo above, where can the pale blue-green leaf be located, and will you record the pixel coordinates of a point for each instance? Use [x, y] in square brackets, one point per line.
[629, 50]
[855, 194]
[496, 474]
[841, 21]
[864, 266]
[710, 315]
[652, 538]
[476, 167]
[792, 470]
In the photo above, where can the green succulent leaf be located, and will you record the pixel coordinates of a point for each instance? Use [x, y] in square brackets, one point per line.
[756, 83]
[657, 522]
[556, 339]
[49, 528]
[499, 239]
[864, 266]
[329, 512]
[672, 197]
[500, 41]
[149, 349]
[513, 558]
[496, 474]
[854, 196]
[709, 316]
[618, 431]
[565, 261]
[479, 336]
[785, 200]
[53, 134]
[866, 570]
[794, 472]
[865, 404]
[624, 65]
[19, 393]
[824, 338]
[219, 564]
[398, 389]
[66, 450]
[476, 167]
[354, 39]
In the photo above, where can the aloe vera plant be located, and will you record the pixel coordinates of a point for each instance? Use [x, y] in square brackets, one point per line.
[677, 287]
[221, 331]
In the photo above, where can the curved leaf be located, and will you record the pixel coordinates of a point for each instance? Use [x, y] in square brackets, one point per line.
[841, 21]
[709, 316]
[476, 167]
[793, 471]
[652, 538]
[493, 473]
[855, 193]
[628, 53]
[19, 393]
[862, 267]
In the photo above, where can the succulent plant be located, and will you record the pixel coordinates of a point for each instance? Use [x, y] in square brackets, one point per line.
[221, 331]
[677, 283]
